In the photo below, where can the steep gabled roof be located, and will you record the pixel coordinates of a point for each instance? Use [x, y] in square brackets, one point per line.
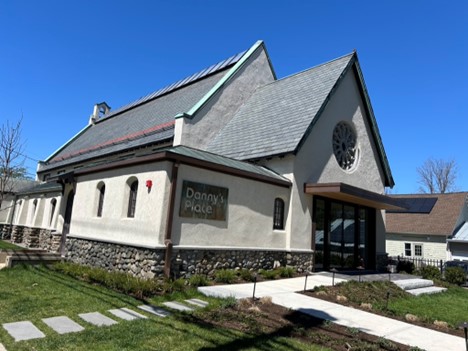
[146, 121]
[279, 116]
[439, 219]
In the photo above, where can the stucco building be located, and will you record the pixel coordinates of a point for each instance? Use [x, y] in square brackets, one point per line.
[230, 167]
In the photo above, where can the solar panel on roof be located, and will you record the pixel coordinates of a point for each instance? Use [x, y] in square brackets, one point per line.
[416, 205]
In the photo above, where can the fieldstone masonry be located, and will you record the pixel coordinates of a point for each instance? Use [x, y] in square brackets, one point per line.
[149, 263]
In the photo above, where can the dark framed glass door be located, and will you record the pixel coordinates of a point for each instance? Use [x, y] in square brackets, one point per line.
[341, 235]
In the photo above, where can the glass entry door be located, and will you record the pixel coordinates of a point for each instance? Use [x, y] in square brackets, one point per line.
[341, 235]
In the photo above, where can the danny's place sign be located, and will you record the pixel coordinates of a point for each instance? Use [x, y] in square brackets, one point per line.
[203, 201]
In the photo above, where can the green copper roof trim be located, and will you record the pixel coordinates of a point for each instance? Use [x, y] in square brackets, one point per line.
[67, 143]
[223, 81]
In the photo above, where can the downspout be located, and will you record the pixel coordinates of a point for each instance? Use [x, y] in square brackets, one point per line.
[169, 220]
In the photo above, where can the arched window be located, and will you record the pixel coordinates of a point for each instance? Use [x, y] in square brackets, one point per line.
[53, 204]
[132, 197]
[101, 192]
[278, 214]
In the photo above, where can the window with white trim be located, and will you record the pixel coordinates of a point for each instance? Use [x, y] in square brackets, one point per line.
[408, 249]
[418, 250]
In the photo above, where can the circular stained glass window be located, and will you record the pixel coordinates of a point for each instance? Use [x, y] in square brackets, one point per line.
[345, 146]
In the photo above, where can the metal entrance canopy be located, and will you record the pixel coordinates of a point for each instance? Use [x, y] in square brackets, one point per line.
[352, 194]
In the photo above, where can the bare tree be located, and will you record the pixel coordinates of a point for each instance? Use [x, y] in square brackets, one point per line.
[11, 157]
[437, 176]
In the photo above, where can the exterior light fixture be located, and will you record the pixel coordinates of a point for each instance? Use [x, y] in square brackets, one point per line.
[464, 326]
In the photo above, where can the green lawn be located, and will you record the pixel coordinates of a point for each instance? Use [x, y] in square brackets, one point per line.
[450, 306]
[28, 293]
[5, 245]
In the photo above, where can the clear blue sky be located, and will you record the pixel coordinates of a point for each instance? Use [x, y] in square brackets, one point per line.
[59, 58]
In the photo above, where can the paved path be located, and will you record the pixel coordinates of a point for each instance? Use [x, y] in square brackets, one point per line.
[283, 293]
[26, 330]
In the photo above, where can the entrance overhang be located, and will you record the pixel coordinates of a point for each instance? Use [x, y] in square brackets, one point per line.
[349, 193]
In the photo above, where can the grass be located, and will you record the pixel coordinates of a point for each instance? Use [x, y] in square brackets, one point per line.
[449, 306]
[33, 293]
[5, 245]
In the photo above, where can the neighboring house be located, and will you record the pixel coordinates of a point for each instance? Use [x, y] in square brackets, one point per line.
[423, 229]
[228, 168]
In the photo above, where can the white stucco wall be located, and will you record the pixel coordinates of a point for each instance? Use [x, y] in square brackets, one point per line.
[249, 221]
[219, 110]
[145, 229]
[6, 209]
[316, 163]
[433, 247]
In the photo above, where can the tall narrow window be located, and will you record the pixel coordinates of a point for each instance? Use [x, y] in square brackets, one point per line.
[132, 199]
[407, 249]
[53, 204]
[102, 191]
[278, 215]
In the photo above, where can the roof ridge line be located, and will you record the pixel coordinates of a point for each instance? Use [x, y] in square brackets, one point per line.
[246, 55]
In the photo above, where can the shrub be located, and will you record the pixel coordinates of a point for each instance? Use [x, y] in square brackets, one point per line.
[286, 272]
[270, 274]
[226, 276]
[405, 266]
[455, 275]
[198, 280]
[228, 302]
[430, 272]
[246, 275]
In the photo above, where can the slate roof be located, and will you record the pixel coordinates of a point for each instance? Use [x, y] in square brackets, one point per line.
[228, 162]
[441, 220]
[41, 188]
[278, 115]
[146, 121]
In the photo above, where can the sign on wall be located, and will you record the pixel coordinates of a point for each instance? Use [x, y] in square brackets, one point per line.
[203, 201]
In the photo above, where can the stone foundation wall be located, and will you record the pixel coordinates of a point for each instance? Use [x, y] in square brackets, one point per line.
[146, 263]
[5, 231]
[34, 237]
[149, 263]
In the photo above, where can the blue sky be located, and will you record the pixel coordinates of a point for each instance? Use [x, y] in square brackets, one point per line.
[59, 58]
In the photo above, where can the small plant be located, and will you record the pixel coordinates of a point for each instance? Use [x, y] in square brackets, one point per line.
[353, 331]
[387, 344]
[455, 275]
[198, 280]
[246, 275]
[228, 302]
[268, 274]
[226, 276]
[286, 272]
[430, 272]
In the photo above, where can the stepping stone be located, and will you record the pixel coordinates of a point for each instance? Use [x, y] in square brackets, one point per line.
[155, 310]
[127, 314]
[197, 302]
[177, 306]
[23, 331]
[63, 325]
[97, 319]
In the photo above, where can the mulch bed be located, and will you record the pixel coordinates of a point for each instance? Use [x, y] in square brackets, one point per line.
[264, 320]
[333, 292]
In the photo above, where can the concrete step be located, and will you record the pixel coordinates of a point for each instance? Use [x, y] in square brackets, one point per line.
[30, 257]
[427, 290]
[416, 283]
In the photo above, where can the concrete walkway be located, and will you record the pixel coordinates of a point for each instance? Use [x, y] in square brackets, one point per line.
[283, 293]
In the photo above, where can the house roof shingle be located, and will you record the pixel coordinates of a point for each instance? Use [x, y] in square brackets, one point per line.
[147, 120]
[276, 117]
[441, 220]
